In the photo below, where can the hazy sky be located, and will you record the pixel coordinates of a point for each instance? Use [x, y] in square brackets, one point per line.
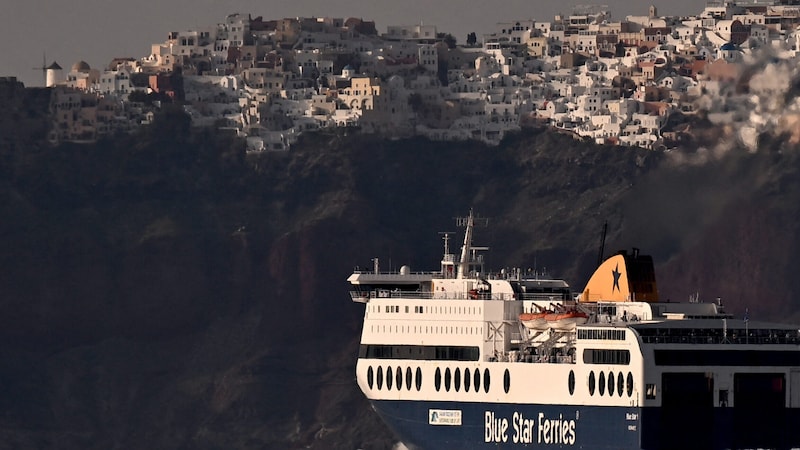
[98, 30]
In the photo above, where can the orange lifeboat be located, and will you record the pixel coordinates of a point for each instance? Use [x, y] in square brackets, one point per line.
[534, 321]
[566, 320]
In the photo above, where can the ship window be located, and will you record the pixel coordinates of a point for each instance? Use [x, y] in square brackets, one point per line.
[598, 356]
[370, 377]
[650, 391]
[591, 383]
[419, 378]
[408, 378]
[380, 377]
[437, 379]
[629, 386]
[727, 358]
[571, 382]
[389, 378]
[611, 381]
[447, 378]
[486, 380]
[466, 380]
[601, 385]
[398, 382]
[620, 384]
[457, 379]
[477, 380]
[506, 381]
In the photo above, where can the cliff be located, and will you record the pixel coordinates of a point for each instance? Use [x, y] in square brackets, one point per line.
[164, 290]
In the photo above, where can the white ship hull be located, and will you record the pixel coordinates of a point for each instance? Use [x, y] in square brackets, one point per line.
[457, 359]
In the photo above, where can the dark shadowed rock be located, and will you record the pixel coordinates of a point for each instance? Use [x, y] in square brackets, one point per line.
[165, 291]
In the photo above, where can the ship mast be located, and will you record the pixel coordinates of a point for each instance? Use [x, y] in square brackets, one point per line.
[463, 265]
[448, 259]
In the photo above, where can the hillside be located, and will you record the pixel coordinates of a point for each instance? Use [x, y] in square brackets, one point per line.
[164, 290]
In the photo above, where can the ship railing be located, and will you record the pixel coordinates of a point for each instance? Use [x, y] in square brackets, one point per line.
[529, 358]
[542, 296]
[396, 273]
[733, 338]
[386, 293]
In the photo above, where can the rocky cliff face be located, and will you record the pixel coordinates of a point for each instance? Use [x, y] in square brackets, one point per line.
[162, 291]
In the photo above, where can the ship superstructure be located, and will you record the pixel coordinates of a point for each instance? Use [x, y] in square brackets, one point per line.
[463, 358]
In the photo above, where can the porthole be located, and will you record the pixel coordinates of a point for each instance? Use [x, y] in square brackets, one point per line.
[477, 380]
[506, 381]
[630, 384]
[457, 379]
[398, 382]
[408, 378]
[620, 384]
[611, 382]
[419, 378]
[447, 379]
[571, 382]
[486, 380]
[437, 379]
[389, 378]
[601, 384]
[370, 377]
[466, 380]
[591, 383]
[380, 378]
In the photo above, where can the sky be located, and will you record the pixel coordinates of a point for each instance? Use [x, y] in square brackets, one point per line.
[97, 31]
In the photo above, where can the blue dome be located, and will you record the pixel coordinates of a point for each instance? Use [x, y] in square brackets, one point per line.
[729, 46]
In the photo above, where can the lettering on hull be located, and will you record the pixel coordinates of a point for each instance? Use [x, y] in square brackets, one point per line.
[541, 429]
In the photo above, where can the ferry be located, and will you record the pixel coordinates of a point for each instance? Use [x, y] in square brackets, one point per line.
[462, 358]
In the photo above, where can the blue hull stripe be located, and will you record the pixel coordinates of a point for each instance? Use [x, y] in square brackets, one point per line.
[511, 426]
[463, 426]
